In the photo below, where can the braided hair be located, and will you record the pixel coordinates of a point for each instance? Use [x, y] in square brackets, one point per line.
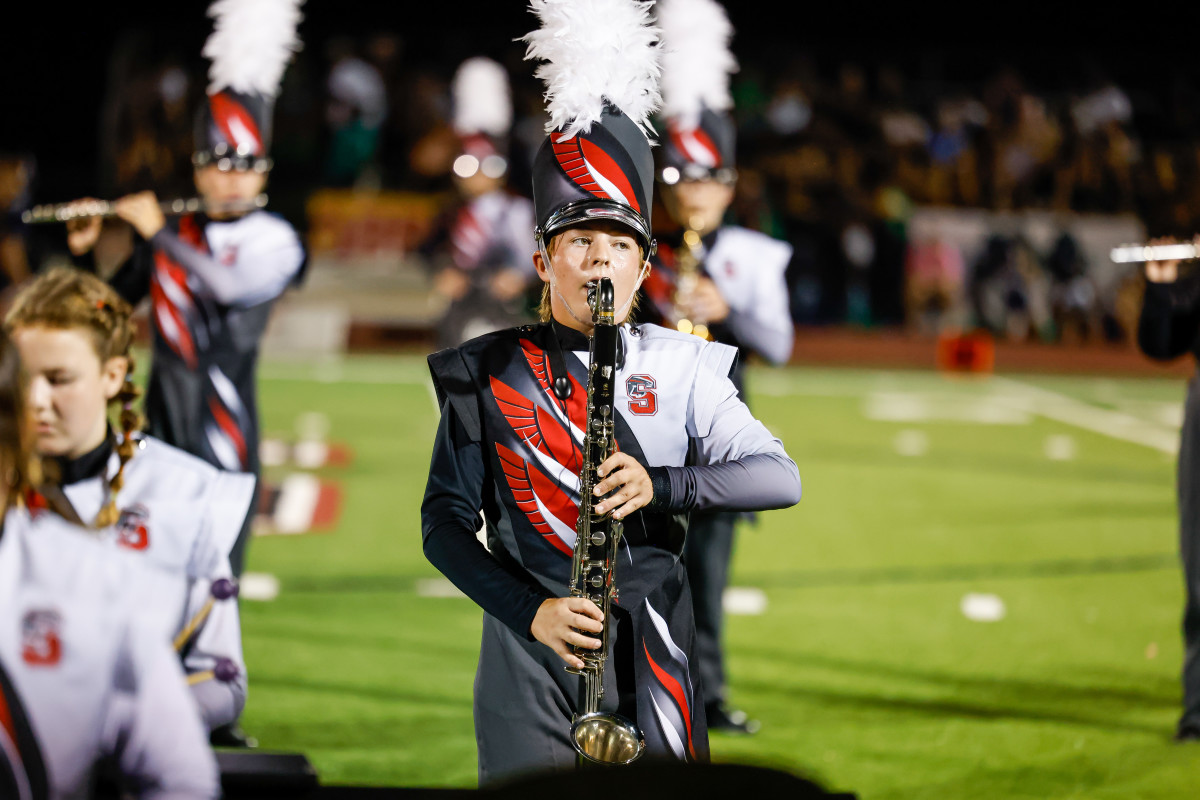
[67, 299]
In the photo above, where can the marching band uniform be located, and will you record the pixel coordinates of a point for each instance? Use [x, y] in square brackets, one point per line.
[747, 267]
[213, 282]
[1170, 327]
[86, 672]
[491, 230]
[508, 445]
[182, 516]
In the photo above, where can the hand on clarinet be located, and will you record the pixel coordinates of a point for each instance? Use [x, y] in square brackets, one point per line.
[558, 622]
[622, 473]
[143, 212]
[704, 305]
[83, 232]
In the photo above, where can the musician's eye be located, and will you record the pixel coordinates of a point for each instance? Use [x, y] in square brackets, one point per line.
[621, 244]
[59, 378]
[581, 241]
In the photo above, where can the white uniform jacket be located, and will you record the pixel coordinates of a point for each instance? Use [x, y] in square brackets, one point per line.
[86, 670]
[183, 515]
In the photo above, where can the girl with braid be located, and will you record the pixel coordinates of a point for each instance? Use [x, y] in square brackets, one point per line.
[73, 332]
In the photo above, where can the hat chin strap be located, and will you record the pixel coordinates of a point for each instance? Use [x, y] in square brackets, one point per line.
[620, 313]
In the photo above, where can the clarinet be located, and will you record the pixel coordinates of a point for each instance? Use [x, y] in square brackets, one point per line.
[599, 737]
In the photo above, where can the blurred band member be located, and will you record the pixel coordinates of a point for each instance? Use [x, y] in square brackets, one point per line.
[1168, 328]
[717, 281]
[486, 274]
[86, 671]
[213, 276]
[141, 495]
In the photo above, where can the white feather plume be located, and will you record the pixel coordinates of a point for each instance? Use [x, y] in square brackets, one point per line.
[251, 44]
[482, 99]
[696, 58]
[595, 50]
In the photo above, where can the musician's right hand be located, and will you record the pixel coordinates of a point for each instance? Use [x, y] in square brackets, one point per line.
[556, 622]
[143, 212]
[83, 232]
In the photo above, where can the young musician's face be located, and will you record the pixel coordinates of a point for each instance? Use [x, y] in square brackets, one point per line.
[231, 186]
[69, 388]
[586, 253]
[698, 203]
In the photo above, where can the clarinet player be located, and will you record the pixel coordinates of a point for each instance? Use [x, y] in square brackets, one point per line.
[513, 408]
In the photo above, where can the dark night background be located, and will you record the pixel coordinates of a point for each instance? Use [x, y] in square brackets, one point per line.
[56, 56]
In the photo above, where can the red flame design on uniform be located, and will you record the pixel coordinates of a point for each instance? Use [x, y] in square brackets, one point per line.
[536, 426]
[173, 303]
[528, 486]
[594, 170]
[675, 689]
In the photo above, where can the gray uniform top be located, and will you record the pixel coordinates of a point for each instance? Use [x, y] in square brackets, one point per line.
[88, 671]
[183, 516]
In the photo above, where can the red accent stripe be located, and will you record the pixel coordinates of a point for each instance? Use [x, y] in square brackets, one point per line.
[7, 723]
[603, 163]
[329, 506]
[539, 363]
[227, 424]
[672, 686]
[184, 347]
[225, 110]
[570, 157]
[699, 137]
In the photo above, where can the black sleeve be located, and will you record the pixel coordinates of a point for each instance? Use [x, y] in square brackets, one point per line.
[450, 515]
[1170, 319]
[131, 280]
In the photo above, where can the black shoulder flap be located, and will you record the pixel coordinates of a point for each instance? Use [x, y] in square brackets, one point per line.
[452, 382]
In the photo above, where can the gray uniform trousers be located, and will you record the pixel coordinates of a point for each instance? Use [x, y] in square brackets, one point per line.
[1188, 488]
[706, 555]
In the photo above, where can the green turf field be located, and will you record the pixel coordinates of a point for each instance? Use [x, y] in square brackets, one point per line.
[1055, 494]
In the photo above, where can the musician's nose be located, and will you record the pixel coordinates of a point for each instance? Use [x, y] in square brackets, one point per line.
[601, 252]
[39, 393]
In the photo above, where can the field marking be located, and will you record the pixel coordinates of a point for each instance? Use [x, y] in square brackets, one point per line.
[1114, 424]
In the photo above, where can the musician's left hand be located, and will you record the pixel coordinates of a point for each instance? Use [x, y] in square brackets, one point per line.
[622, 471]
[705, 305]
[142, 211]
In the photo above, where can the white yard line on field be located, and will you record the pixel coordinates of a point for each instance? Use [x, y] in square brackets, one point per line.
[1070, 411]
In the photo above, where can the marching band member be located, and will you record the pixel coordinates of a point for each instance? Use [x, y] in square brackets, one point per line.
[85, 672]
[513, 405]
[213, 277]
[718, 280]
[1169, 327]
[490, 232]
[142, 495]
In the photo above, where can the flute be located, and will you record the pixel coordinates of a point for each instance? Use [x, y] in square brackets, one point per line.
[1139, 253]
[79, 209]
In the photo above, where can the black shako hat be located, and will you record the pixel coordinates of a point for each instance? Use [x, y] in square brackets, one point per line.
[703, 152]
[249, 48]
[604, 174]
[233, 131]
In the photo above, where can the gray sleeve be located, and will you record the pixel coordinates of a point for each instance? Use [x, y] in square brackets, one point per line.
[265, 264]
[769, 336]
[161, 745]
[738, 464]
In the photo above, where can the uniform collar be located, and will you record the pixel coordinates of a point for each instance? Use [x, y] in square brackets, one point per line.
[89, 465]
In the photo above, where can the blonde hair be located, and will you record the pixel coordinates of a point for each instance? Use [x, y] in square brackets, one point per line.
[67, 299]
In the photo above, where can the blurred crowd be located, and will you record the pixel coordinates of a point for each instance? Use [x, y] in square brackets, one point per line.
[834, 156]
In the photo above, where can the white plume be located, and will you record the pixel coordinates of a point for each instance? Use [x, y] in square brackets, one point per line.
[595, 50]
[251, 44]
[696, 58]
[482, 100]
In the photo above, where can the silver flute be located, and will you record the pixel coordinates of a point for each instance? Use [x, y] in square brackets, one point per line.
[1140, 253]
[80, 209]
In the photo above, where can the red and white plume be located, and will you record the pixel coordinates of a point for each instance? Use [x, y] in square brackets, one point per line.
[251, 44]
[482, 99]
[696, 59]
[595, 50]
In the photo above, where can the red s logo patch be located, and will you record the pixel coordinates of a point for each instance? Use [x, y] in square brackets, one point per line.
[132, 528]
[40, 645]
[642, 400]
